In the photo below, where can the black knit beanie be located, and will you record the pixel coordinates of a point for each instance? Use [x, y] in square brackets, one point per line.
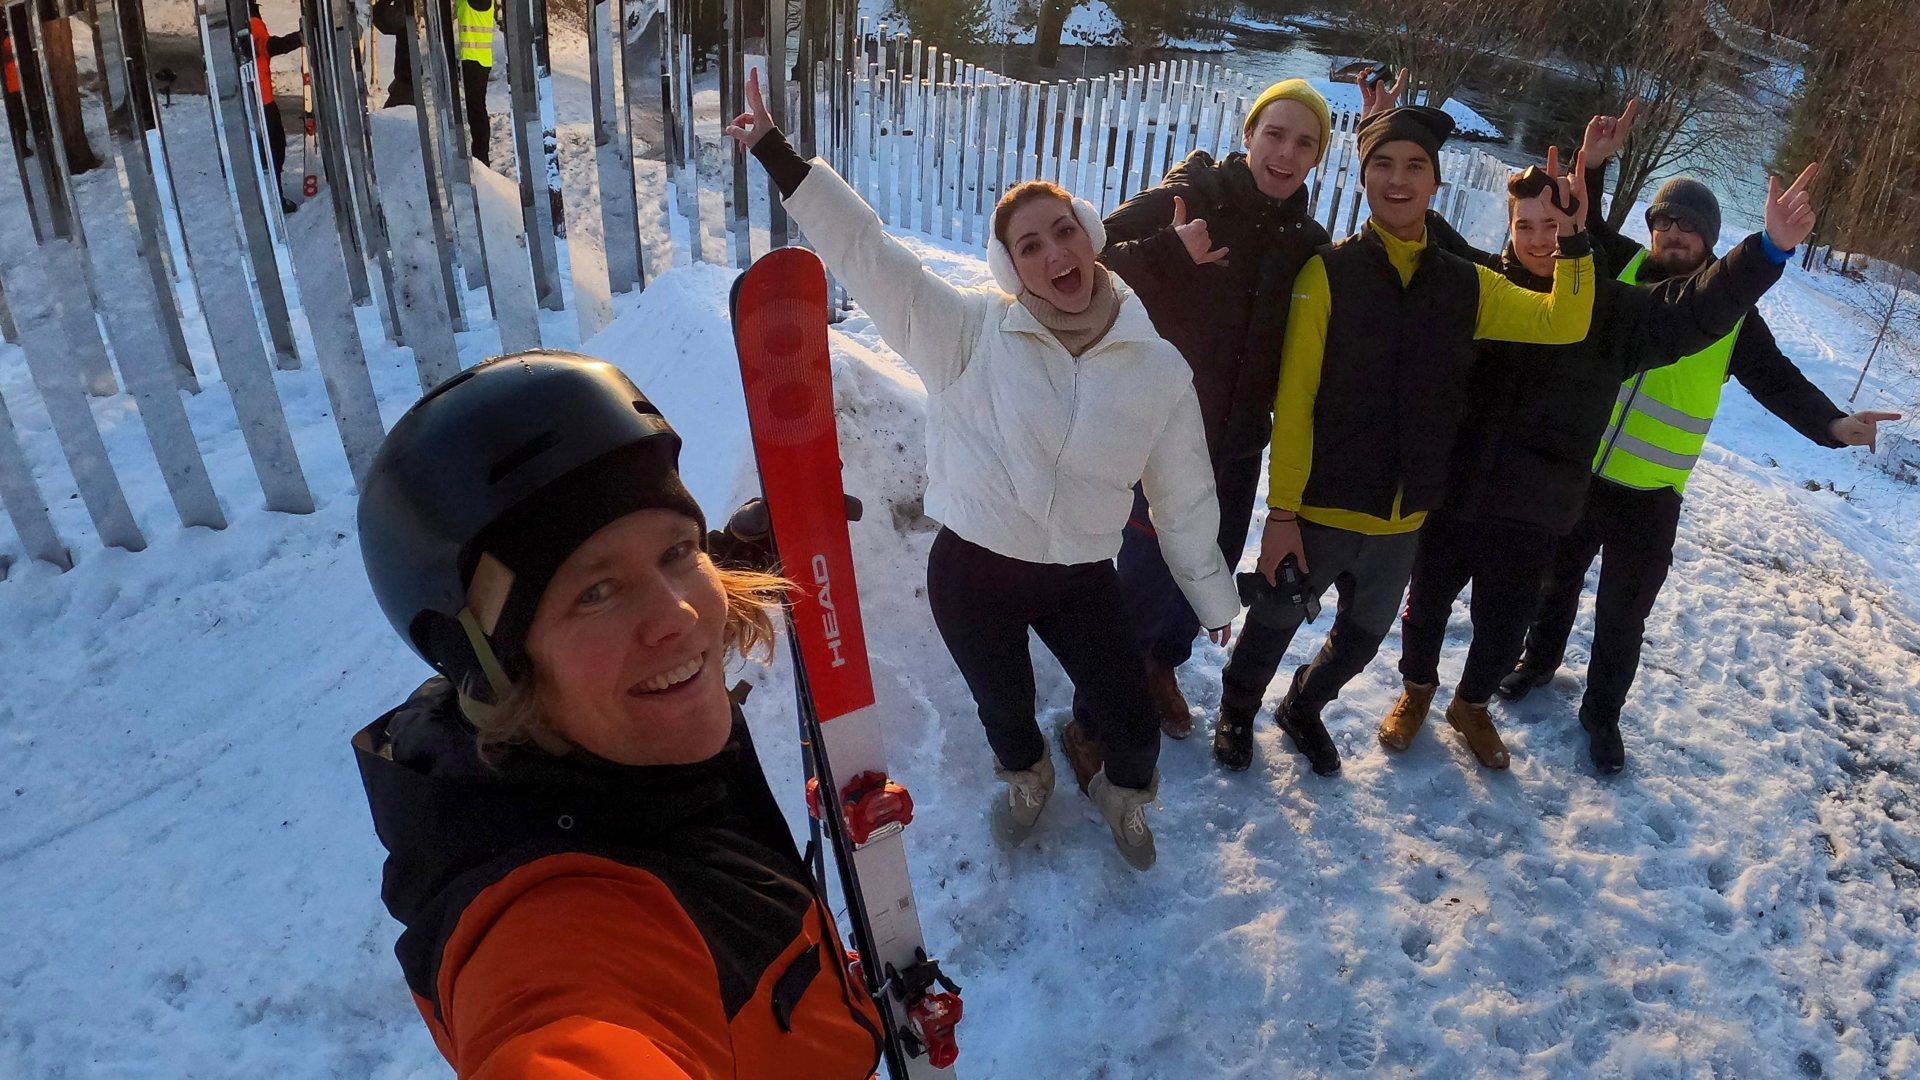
[1425, 127]
[1690, 201]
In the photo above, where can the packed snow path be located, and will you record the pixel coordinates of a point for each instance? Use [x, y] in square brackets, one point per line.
[192, 878]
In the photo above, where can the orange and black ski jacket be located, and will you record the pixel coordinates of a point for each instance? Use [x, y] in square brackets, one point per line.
[574, 918]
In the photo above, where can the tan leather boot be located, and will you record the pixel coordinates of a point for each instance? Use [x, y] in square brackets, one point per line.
[1126, 812]
[1084, 752]
[1476, 726]
[1404, 719]
[1169, 704]
[1017, 810]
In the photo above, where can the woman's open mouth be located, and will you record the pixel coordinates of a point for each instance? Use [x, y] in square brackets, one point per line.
[668, 681]
[1068, 282]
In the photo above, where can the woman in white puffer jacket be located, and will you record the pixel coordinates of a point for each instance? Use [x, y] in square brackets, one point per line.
[1048, 399]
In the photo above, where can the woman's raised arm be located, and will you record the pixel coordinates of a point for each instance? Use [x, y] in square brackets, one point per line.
[930, 322]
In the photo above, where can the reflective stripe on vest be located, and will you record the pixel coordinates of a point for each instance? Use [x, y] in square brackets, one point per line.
[1661, 417]
[13, 69]
[476, 33]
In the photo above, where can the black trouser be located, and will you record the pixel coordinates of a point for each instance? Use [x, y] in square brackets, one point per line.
[1371, 572]
[473, 91]
[1633, 533]
[276, 144]
[1163, 622]
[984, 603]
[1505, 563]
[16, 107]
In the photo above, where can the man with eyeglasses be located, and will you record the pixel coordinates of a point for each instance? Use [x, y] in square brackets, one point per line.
[1658, 427]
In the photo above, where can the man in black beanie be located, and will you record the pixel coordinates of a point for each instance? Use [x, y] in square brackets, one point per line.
[1650, 445]
[1373, 380]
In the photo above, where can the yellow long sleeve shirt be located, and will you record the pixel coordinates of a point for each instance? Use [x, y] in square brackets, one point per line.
[1506, 312]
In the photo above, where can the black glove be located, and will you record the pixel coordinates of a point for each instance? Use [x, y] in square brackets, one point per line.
[746, 541]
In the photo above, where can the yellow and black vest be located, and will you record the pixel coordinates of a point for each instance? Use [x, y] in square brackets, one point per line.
[1661, 417]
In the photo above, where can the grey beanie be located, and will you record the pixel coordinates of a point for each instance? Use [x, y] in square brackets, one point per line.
[1689, 200]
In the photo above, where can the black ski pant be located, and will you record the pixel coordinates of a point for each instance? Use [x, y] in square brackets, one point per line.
[984, 604]
[1371, 573]
[473, 93]
[1632, 531]
[276, 144]
[1504, 562]
[16, 107]
[1164, 625]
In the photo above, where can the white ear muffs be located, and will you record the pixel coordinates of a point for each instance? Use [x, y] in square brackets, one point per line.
[1000, 260]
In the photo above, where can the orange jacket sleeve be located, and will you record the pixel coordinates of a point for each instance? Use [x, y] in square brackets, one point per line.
[574, 967]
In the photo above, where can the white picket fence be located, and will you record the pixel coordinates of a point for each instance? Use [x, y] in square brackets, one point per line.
[935, 140]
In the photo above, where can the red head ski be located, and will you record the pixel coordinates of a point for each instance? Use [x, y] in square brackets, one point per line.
[780, 327]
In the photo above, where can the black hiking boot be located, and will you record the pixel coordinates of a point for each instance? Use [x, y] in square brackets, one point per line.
[1523, 680]
[1603, 739]
[1309, 735]
[1233, 738]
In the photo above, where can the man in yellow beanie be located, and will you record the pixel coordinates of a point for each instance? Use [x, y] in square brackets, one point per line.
[1212, 252]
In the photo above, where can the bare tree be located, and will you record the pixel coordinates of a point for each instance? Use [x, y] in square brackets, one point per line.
[1440, 41]
[1666, 55]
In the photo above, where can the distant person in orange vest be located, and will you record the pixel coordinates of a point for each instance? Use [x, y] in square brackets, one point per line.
[16, 105]
[265, 47]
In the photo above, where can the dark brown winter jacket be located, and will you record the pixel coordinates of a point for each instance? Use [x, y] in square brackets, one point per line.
[575, 918]
[1227, 318]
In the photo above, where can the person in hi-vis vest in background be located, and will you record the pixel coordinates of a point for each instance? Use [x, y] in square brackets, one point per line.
[469, 27]
[474, 34]
[1648, 450]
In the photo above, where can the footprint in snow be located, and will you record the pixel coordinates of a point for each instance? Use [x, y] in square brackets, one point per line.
[1417, 943]
[1359, 1039]
[1541, 1029]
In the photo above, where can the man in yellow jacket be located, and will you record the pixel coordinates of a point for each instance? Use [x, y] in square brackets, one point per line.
[1373, 382]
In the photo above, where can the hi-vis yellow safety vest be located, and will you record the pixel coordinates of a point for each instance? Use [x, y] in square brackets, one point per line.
[1661, 418]
[476, 33]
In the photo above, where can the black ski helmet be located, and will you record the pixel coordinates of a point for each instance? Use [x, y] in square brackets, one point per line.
[486, 485]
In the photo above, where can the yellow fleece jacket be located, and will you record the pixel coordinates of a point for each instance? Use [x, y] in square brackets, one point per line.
[1507, 312]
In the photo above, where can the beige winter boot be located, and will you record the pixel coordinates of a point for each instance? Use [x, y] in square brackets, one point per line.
[1126, 812]
[1404, 719]
[1017, 810]
[1476, 726]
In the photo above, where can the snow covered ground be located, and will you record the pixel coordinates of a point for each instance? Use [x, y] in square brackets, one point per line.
[192, 880]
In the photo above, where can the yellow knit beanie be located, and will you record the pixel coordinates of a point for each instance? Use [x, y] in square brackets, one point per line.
[1299, 90]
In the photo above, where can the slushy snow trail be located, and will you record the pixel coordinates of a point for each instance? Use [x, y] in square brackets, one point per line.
[192, 878]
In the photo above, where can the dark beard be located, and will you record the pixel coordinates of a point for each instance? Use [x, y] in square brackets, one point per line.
[1676, 265]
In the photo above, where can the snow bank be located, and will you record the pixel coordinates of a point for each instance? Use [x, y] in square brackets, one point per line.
[1251, 22]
